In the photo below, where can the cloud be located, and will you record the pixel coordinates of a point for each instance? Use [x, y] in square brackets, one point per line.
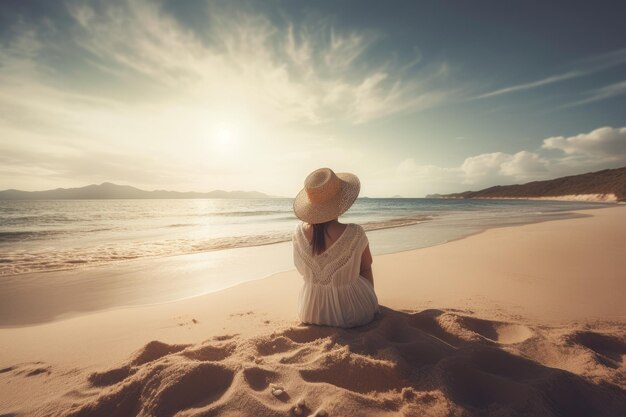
[409, 179]
[604, 147]
[601, 148]
[525, 165]
[533, 84]
[522, 165]
[603, 143]
[483, 165]
[247, 66]
[292, 73]
[127, 91]
[130, 82]
[586, 66]
[408, 166]
[500, 166]
[604, 60]
[602, 93]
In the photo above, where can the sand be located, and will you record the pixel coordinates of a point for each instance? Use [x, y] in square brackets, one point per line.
[524, 320]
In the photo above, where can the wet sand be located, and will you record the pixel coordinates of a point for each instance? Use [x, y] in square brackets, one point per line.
[525, 319]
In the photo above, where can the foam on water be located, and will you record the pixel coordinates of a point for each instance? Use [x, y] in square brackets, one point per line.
[37, 236]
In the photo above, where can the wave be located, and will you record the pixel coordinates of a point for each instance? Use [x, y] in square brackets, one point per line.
[20, 236]
[30, 235]
[396, 222]
[37, 219]
[18, 262]
[246, 213]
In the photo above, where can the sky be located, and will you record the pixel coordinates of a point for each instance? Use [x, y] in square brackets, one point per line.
[413, 97]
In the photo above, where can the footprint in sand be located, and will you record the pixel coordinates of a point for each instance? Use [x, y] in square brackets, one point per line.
[354, 372]
[153, 351]
[185, 385]
[428, 322]
[406, 363]
[28, 369]
[110, 377]
[258, 378]
[208, 352]
[611, 349]
[299, 356]
[149, 353]
[307, 334]
[272, 345]
[224, 337]
[468, 328]
[174, 377]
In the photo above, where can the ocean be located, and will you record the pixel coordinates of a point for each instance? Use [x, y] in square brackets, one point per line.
[42, 236]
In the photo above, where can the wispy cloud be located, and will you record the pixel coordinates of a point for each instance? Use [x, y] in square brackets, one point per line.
[130, 77]
[604, 60]
[558, 156]
[132, 91]
[602, 93]
[533, 84]
[586, 67]
[291, 73]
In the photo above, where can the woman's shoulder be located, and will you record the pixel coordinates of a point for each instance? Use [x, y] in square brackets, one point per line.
[304, 228]
[298, 229]
[356, 226]
[357, 229]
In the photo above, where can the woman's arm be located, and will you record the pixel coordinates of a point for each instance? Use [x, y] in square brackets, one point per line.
[366, 265]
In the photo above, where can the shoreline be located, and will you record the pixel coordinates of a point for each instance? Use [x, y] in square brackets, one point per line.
[574, 198]
[60, 249]
[578, 214]
[392, 223]
[112, 280]
[518, 287]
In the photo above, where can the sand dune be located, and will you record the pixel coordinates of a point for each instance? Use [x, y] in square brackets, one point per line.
[427, 363]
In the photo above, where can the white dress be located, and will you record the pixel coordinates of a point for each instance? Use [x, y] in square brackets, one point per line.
[334, 293]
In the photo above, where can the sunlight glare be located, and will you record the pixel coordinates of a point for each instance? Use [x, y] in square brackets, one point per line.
[224, 139]
[224, 136]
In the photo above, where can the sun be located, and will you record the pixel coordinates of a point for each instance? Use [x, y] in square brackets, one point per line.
[224, 139]
[224, 136]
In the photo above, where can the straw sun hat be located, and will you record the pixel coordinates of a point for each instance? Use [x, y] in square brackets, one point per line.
[326, 195]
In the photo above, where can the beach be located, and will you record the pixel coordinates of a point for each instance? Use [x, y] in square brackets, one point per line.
[517, 320]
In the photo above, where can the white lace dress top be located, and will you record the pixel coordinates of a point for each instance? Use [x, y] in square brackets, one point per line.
[334, 293]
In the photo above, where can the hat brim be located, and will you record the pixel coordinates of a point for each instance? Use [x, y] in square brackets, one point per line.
[314, 213]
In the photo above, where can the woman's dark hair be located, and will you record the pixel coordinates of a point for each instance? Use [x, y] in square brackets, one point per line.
[319, 238]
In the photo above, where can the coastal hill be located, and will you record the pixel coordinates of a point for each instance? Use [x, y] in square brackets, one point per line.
[107, 190]
[606, 185]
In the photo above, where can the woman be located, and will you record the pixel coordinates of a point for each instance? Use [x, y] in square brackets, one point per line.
[334, 259]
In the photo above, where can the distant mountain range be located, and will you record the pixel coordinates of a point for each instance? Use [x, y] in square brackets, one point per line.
[107, 190]
[606, 185]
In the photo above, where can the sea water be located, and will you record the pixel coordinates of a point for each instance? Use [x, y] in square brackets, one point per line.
[41, 236]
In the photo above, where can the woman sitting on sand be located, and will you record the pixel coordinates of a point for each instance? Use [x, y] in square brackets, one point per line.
[333, 258]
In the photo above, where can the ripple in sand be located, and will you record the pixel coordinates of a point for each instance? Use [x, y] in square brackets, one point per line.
[273, 345]
[608, 350]
[110, 377]
[258, 378]
[207, 352]
[610, 346]
[466, 327]
[429, 363]
[354, 372]
[153, 351]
